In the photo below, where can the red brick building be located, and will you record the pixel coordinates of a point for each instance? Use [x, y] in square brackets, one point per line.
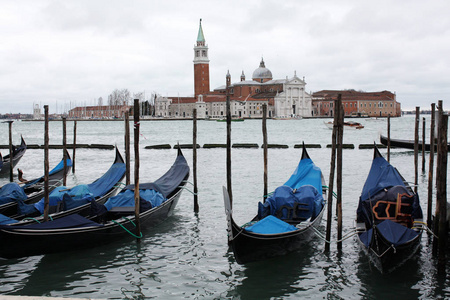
[357, 103]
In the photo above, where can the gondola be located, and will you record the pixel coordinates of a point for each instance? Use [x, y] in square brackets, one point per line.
[110, 221]
[32, 190]
[64, 201]
[389, 218]
[17, 154]
[407, 144]
[286, 219]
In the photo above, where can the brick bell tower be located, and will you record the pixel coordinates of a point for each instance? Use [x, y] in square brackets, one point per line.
[201, 64]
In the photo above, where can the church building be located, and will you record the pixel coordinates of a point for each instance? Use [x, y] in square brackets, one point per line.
[285, 98]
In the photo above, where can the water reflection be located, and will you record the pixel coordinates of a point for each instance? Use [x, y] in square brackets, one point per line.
[273, 278]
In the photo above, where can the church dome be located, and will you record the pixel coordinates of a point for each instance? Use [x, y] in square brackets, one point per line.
[262, 72]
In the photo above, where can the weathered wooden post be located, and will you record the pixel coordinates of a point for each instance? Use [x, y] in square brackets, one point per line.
[194, 159]
[339, 173]
[431, 167]
[441, 188]
[437, 213]
[264, 130]
[64, 142]
[416, 149]
[331, 178]
[389, 138]
[127, 148]
[136, 167]
[46, 164]
[423, 145]
[11, 157]
[74, 145]
[228, 111]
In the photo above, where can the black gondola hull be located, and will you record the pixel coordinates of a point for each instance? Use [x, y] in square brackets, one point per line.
[407, 144]
[386, 257]
[20, 242]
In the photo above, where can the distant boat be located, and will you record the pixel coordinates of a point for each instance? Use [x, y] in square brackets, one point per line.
[232, 120]
[347, 124]
[408, 144]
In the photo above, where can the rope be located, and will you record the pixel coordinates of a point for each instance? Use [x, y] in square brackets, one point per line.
[123, 227]
[320, 235]
[28, 218]
[333, 193]
[188, 182]
[184, 188]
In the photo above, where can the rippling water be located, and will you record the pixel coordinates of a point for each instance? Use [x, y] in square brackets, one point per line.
[187, 256]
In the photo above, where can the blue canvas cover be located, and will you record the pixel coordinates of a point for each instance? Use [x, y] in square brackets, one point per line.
[126, 198]
[394, 233]
[78, 195]
[384, 184]
[271, 225]
[6, 220]
[306, 173]
[381, 175]
[11, 192]
[306, 201]
[167, 183]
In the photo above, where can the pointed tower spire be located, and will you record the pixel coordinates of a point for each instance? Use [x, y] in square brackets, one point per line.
[201, 64]
[200, 36]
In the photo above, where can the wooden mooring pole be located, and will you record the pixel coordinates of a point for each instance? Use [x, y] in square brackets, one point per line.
[194, 158]
[423, 145]
[416, 149]
[340, 138]
[389, 138]
[431, 168]
[136, 168]
[74, 145]
[127, 148]
[46, 164]
[64, 141]
[441, 189]
[437, 213]
[331, 178]
[264, 130]
[11, 158]
[228, 111]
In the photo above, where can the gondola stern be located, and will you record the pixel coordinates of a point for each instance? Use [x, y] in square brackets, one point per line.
[119, 158]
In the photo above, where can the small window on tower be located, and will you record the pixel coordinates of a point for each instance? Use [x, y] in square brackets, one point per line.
[197, 53]
[203, 52]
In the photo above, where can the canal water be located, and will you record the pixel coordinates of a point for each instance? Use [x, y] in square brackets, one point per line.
[187, 256]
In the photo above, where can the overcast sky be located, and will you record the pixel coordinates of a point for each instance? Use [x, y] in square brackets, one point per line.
[67, 53]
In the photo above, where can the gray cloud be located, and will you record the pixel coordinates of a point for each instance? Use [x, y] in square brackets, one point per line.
[77, 51]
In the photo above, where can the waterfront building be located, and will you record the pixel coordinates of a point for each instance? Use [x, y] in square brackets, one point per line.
[357, 103]
[99, 112]
[285, 98]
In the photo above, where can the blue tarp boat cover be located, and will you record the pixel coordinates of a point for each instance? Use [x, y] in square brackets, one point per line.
[156, 192]
[384, 183]
[80, 194]
[306, 173]
[271, 225]
[394, 233]
[11, 192]
[6, 220]
[381, 175]
[305, 201]
[70, 221]
[167, 183]
[126, 198]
